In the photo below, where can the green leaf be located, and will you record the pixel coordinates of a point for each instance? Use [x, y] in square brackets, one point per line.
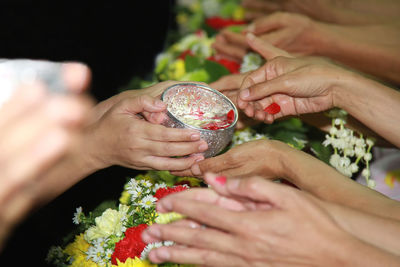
[192, 63]
[215, 70]
[236, 28]
[320, 151]
[228, 9]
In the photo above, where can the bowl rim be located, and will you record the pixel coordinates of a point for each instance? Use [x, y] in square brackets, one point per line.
[206, 88]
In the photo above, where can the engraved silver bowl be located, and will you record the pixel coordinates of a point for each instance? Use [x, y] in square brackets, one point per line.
[204, 99]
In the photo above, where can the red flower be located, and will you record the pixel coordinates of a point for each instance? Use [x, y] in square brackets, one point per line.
[231, 65]
[218, 23]
[162, 192]
[185, 53]
[131, 246]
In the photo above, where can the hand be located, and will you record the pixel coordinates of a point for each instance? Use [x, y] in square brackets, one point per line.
[275, 224]
[36, 130]
[262, 158]
[229, 85]
[297, 86]
[120, 137]
[153, 91]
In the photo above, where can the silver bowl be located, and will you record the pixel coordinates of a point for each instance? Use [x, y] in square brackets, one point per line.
[204, 99]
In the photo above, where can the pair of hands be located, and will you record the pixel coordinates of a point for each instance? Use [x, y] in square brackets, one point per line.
[250, 222]
[355, 46]
[37, 129]
[118, 136]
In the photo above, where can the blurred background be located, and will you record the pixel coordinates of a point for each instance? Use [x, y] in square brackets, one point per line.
[117, 40]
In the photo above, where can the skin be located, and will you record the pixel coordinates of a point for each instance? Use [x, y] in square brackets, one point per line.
[339, 12]
[355, 46]
[303, 86]
[300, 169]
[131, 142]
[253, 222]
[37, 129]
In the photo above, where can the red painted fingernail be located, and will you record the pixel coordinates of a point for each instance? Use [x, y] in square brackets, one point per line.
[220, 179]
[273, 109]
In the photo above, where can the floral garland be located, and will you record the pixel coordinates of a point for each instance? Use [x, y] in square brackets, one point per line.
[111, 236]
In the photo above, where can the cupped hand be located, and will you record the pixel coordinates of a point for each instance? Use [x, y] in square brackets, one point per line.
[262, 158]
[121, 137]
[288, 86]
[248, 222]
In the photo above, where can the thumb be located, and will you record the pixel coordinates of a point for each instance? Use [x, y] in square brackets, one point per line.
[265, 49]
[143, 103]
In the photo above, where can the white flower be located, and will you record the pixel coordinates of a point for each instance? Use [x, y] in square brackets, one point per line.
[370, 142]
[97, 251]
[77, 216]
[359, 151]
[333, 130]
[334, 160]
[367, 156]
[344, 162]
[211, 7]
[366, 173]
[109, 223]
[146, 183]
[150, 246]
[147, 202]
[251, 61]
[158, 186]
[371, 183]
[132, 186]
[354, 168]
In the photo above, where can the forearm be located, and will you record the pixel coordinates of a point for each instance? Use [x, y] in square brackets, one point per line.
[324, 182]
[372, 103]
[379, 231]
[371, 49]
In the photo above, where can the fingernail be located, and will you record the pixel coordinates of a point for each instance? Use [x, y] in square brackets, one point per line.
[166, 204]
[251, 28]
[250, 36]
[160, 104]
[196, 169]
[245, 93]
[195, 136]
[163, 254]
[203, 147]
[154, 231]
[220, 180]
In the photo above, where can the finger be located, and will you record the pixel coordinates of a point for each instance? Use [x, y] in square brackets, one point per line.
[228, 82]
[154, 117]
[61, 110]
[174, 149]
[135, 105]
[193, 237]
[204, 213]
[279, 38]
[33, 159]
[267, 24]
[264, 48]
[76, 76]
[202, 257]
[259, 189]
[171, 164]
[165, 134]
[208, 196]
[235, 38]
[233, 51]
[25, 98]
[216, 165]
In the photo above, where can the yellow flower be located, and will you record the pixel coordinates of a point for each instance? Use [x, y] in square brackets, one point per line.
[110, 222]
[125, 197]
[238, 14]
[182, 18]
[165, 218]
[78, 247]
[177, 69]
[134, 263]
[193, 182]
[392, 177]
[81, 261]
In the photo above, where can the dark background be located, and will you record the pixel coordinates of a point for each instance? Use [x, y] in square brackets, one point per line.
[117, 41]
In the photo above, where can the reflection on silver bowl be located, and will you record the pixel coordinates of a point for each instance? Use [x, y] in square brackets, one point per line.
[203, 99]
